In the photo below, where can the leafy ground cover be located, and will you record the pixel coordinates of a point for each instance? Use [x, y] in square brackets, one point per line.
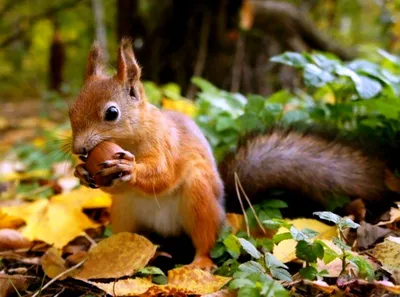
[54, 234]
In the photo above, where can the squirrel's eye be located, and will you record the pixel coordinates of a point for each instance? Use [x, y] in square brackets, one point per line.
[111, 114]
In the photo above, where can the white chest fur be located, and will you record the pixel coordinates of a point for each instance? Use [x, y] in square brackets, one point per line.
[160, 214]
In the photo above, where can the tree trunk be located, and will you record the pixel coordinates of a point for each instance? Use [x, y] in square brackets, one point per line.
[101, 36]
[56, 62]
[183, 38]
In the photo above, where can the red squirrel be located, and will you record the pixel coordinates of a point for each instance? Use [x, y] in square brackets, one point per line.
[171, 182]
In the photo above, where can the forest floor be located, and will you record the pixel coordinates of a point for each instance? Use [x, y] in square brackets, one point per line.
[55, 238]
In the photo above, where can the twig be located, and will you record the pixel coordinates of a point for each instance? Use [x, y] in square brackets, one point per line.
[66, 272]
[202, 54]
[241, 205]
[251, 206]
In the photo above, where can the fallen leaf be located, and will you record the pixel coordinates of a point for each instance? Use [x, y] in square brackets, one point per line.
[181, 282]
[85, 198]
[52, 263]
[285, 251]
[10, 283]
[125, 287]
[388, 286]
[368, 234]
[7, 221]
[12, 239]
[388, 253]
[117, 256]
[321, 285]
[235, 221]
[196, 280]
[54, 222]
[394, 216]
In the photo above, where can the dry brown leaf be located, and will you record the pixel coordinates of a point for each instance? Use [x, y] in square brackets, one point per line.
[12, 239]
[117, 256]
[125, 287]
[321, 285]
[8, 284]
[181, 281]
[388, 253]
[388, 286]
[394, 216]
[52, 263]
[196, 280]
[285, 251]
[54, 222]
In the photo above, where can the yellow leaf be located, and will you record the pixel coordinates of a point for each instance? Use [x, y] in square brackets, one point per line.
[52, 263]
[85, 198]
[54, 222]
[117, 256]
[12, 176]
[7, 221]
[181, 281]
[196, 280]
[184, 106]
[388, 253]
[285, 251]
[125, 287]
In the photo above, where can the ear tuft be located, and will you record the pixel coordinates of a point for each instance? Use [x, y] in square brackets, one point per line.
[128, 68]
[94, 64]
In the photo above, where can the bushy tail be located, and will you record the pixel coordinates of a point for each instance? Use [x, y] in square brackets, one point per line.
[307, 164]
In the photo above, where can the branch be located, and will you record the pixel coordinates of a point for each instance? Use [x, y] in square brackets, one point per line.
[289, 19]
[33, 19]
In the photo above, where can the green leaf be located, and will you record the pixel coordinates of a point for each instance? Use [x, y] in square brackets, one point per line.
[249, 248]
[281, 274]
[281, 237]
[291, 58]
[265, 243]
[274, 203]
[366, 87]
[304, 234]
[272, 261]
[309, 272]
[151, 270]
[365, 269]
[328, 216]
[341, 244]
[293, 116]
[272, 288]
[252, 267]
[224, 123]
[248, 292]
[232, 245]
[347, 223]
[204, 85]
[309, 252]
[240, 283]
[218, 250]
[160, 279]
[329, 254]
[316, 77]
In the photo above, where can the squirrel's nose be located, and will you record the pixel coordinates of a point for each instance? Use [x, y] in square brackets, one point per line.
[79, 150]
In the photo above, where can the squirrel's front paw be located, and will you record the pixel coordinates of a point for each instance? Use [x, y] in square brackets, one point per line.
[84, 176]
[122, 166]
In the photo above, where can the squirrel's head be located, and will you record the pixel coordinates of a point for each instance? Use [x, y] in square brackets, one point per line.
[107, 107]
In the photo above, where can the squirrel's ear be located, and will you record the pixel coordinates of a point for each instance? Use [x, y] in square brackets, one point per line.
[128, 68]
[94, 64]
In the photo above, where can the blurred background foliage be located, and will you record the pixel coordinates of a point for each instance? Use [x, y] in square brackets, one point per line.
[29, 28]
[246, 64]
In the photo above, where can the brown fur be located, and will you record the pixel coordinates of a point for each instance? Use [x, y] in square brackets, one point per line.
[172, 157]
[306, 164]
